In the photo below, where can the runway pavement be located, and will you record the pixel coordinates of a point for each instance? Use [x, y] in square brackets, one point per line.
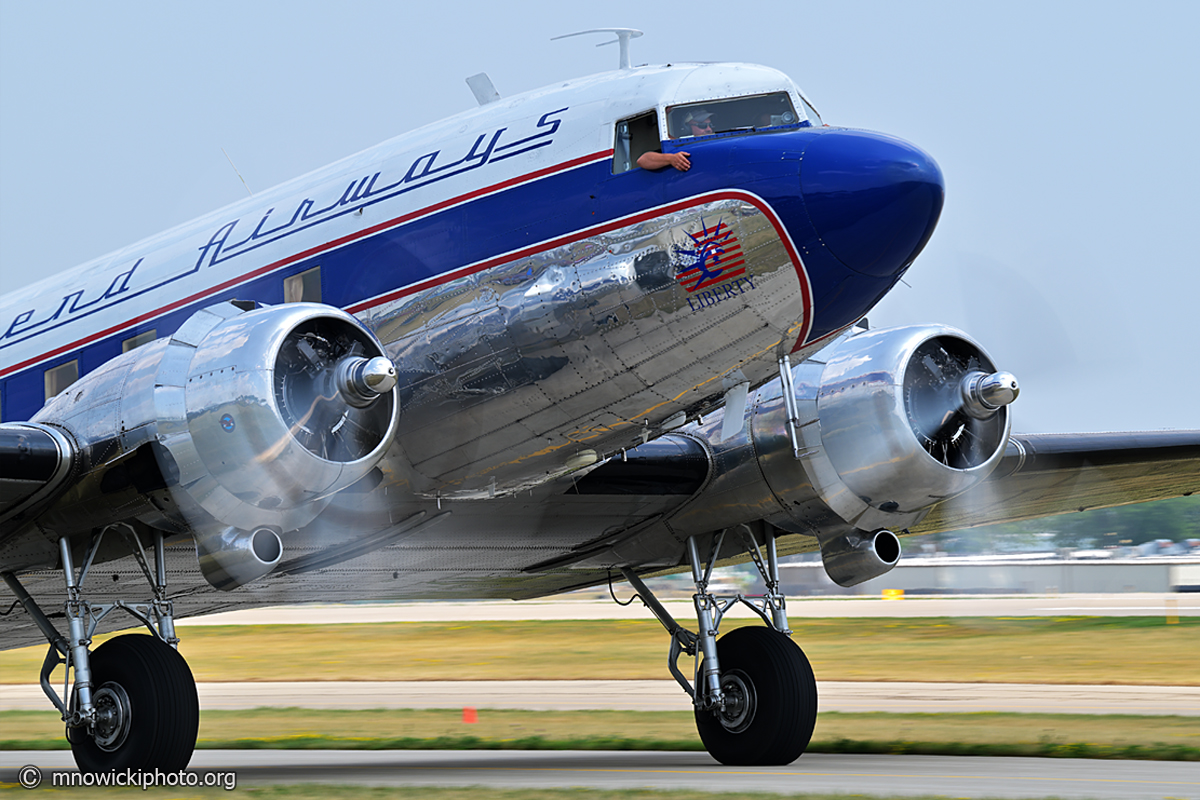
[881, 775]
[1066, 605]
[930, 698]
[888, 776]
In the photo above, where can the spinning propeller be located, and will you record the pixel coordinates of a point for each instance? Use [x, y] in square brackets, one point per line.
[952, 394]
[326, 390]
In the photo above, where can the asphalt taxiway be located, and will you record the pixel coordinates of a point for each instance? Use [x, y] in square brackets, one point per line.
[888, 776]
[1141, 604]
[659, 695]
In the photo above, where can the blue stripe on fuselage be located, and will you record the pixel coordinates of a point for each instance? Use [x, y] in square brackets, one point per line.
[766, 164]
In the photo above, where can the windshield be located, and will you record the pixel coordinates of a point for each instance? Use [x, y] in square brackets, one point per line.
[737, 114]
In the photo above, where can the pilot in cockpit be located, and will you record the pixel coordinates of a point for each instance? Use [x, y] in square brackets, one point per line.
[695, 122]
[688, 122]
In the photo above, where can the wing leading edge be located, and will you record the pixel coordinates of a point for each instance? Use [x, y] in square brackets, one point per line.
[1046, 474]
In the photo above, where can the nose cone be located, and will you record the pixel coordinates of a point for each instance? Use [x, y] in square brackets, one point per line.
[873, 199]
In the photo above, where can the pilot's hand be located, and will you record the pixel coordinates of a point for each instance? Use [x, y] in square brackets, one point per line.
[656, 160]
[680, 161]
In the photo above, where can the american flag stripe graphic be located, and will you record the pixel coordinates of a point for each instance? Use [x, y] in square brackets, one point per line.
[718, 257]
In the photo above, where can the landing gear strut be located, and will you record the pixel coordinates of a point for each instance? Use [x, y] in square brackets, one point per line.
[754, 694]
[132, 702]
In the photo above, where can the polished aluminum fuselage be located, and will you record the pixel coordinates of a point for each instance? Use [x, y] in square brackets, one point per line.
[545, 311]
[498, 258]
[552, 361]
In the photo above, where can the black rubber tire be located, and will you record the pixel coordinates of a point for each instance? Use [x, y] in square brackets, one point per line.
[164, 708]
[784, 713]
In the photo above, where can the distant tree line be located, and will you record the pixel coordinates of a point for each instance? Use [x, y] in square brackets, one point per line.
[1177, 519]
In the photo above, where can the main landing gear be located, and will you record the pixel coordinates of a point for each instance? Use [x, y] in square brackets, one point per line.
[132, 702]
[753, 691]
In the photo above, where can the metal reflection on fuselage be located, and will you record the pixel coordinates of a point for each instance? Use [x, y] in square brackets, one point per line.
[507, 372]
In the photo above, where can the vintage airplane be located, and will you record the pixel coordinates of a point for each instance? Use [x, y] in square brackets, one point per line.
[495, 358]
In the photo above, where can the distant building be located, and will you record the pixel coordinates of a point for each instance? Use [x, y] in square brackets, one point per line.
[1035, 573]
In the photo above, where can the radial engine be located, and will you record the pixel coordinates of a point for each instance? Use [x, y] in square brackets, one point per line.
[859, 442]
[238, 428]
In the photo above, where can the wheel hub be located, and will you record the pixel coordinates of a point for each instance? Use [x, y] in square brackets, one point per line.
[111, 722]
[740, 701]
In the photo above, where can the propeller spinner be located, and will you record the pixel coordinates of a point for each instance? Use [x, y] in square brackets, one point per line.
[952, 397]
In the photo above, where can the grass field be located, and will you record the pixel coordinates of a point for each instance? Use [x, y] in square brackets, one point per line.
[1125, 736]
[1113, 650]
[1095, 650]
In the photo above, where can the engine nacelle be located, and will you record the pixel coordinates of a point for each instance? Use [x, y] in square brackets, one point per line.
[887, 424]
[241, 426]
[902, 419]
[263, 416]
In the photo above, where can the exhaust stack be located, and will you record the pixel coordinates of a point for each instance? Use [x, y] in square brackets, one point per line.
[852, 558]
[231, 558]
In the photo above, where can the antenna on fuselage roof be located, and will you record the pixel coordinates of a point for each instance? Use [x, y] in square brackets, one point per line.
[623, 37]
[235, 172]
[483, 89]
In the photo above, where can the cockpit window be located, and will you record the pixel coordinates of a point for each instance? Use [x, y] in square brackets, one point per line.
[813, 117]
[635, 136]
[736, 114]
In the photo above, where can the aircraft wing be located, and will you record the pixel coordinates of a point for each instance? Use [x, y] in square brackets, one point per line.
[1057, 473]
[35, 460]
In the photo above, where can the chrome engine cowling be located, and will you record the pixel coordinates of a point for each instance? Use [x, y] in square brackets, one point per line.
[902, 418]
[262, 413]
[887, 424]
[238, 428]
[898, 420]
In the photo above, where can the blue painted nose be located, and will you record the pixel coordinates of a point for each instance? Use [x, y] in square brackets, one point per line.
[873, 199]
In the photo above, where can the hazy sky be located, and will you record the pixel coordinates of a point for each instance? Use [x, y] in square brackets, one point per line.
[1066, 131]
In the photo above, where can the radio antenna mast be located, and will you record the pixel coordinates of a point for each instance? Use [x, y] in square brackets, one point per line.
[235, 171]
[623, 37]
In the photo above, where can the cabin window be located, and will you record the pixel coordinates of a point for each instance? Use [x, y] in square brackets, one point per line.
[60, 377]
[304, 287]
[635, 136]
[736, 114]
[135, 342]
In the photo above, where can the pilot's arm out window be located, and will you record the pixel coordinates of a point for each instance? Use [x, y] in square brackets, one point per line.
[634, 137]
